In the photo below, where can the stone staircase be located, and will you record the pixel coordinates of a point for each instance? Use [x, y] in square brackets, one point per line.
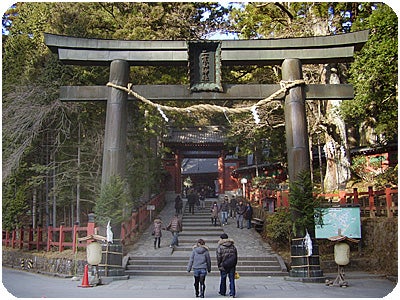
[166, 262]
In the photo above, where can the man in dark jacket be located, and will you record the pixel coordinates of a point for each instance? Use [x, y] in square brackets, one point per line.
[240, 209]
[227, 260]
[192, 199]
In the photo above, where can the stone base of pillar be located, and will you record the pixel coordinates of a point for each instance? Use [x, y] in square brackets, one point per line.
[304, 267]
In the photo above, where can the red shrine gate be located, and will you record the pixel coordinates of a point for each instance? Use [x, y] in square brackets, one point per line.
[202, 143]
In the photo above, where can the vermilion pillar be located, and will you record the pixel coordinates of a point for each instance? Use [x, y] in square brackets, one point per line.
[178, 173]
[221, 172]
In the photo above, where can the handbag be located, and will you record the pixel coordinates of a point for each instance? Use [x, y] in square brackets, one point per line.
[237, 276]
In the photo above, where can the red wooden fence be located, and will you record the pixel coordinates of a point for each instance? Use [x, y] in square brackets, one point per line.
[39, 238]
[140, 219]
[66, 237]
[372, 203]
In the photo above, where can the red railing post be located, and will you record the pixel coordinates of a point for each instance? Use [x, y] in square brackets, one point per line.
[342, 197]
[30, 238]
[49, 237]
[21, 238]
[278, 198]
[13, 238]
[74, 237]
[91, 226]
[355, 197]
[371, 202]
[285, 198]
[39, 238]
[61, 239]
[7, 238]
[388, 194]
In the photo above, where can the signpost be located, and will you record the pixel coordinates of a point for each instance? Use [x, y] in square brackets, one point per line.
[151, 208]
[343, 221]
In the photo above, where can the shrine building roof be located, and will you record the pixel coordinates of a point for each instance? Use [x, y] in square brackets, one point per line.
[203, 135]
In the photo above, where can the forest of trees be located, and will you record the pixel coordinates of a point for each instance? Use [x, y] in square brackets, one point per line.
[52, 151]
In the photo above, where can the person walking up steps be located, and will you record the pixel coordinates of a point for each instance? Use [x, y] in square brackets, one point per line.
[227, 260]
[178, 204]
[200, 261]
[175, 226]
[157, 227]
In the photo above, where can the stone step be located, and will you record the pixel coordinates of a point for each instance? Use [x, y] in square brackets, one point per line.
[176, 260]
[200, 233]
[247, 266]
[205, 228]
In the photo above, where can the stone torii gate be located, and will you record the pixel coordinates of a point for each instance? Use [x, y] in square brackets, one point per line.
[205, 59]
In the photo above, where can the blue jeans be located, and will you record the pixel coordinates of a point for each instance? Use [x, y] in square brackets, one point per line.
[222, 285]
[248, 223]
[224, 217]
[200, 281]
[198, 272]
[239, 220]
[175, 235]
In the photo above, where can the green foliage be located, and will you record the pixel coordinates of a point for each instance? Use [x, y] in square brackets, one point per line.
[303, 204]
[374, 75]
[380, 178]
[14, 205]
[112, 201]
[279, 226]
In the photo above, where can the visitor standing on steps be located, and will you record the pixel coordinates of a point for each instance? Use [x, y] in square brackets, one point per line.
[224, 211]
[248, 214]
[227, 261]
[240, 209]
[178, 204]
[200, 261]
[232, 207]
[214, 213]
[192, 199]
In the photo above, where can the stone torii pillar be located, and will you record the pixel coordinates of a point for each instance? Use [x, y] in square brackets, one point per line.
[295, 120]
[114, 154]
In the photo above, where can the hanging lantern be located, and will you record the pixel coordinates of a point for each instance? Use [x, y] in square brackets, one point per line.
[93, 253]
[342, 254]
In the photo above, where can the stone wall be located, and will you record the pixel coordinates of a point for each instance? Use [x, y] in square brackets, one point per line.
[379, 244]
[59, 265]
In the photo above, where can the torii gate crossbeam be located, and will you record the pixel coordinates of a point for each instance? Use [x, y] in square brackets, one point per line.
[117, 53]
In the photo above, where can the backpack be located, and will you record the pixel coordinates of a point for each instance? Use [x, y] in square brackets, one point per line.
[229, 262]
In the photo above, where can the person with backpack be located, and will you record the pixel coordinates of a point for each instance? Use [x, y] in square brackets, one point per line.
[200, 261]
[227, 261]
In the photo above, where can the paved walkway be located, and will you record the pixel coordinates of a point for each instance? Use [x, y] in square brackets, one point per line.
[247, 241]
[31, 285]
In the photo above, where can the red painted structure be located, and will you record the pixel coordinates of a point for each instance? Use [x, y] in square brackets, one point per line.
[198, 142]
[373, 203]
[66, 237]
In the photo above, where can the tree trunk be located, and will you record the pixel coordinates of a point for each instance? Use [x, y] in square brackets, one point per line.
[336, 149]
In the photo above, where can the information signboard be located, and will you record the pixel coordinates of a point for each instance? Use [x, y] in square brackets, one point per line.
[335, 221]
